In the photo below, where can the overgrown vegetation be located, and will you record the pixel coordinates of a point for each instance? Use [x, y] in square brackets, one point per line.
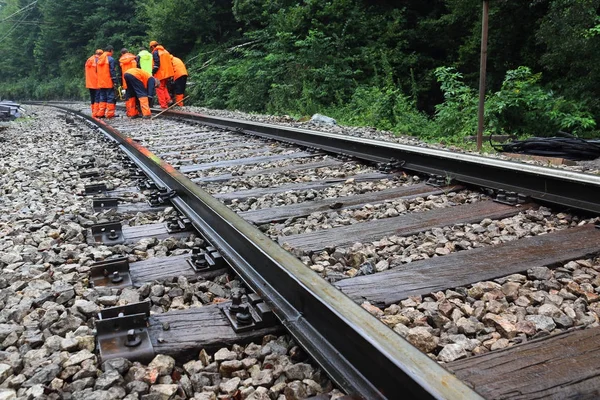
[409, 68]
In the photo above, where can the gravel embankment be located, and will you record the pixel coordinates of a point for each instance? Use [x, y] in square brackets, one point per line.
[47, 309]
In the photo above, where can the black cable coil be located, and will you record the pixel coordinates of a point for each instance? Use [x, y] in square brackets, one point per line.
[568, 147]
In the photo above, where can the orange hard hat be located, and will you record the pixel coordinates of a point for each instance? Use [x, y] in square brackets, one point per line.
[153, 43]
[99, 51]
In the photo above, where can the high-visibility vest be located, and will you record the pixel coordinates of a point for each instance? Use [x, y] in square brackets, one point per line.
[91, 75]
[104, 71]
[145, 61]
[165, 69]
[126, 61]
[179, 69]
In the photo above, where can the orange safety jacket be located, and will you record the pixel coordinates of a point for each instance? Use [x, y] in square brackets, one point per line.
[91, 73]
[179, 69]
[163, 68]
[140, 75]
[126, 62]
[106, 71]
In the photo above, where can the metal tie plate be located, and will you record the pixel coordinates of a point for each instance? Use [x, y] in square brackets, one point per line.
[179, 224]
[95, 188]
[122, 332]
[104, 203]
[439, 181]
[86, 164]
[89, 173]
[147, 185]
[161, 197]
[208, 259]
[247, 312]
[510, 198]
[113, 273]
[109, 233]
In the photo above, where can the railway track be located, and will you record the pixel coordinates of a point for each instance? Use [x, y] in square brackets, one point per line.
[455, 270]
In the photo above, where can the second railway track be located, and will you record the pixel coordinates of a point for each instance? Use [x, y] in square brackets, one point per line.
[496, 291]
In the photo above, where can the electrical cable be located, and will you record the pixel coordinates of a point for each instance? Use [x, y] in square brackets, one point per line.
[19, 11]
[567, 146]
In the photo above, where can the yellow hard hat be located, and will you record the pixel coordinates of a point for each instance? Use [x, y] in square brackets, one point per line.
[99, 51]
[153, 43]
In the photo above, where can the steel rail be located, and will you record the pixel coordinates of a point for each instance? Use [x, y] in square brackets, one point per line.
[362, 355]
[566, 188]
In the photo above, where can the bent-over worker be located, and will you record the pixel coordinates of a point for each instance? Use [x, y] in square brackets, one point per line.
[140, 86]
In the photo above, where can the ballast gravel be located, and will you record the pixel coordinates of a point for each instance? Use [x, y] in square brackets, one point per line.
[47, 342]
[491, 315]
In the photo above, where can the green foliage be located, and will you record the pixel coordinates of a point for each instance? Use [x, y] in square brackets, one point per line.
[183, 24]
[522, 106]
[457, 115]
[53, 89]
[571, 57]
[387, 109]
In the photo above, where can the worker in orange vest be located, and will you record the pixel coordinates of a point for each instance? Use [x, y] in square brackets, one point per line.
[91, 78]
[162, 69]
[107, 83]
[180, 75]
[140, 86]
[126, 62]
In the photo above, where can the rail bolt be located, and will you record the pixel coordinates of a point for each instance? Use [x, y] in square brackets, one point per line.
[511, 197]
[501, 196]
[113, 235]
[243, 317]
[133, 339]
[236, 302]
[116, 277]
[522, 198]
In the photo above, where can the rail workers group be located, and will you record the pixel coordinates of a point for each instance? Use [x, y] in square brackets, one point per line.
[141, 77]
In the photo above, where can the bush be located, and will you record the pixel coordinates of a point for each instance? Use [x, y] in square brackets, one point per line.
[521, 106]
[387, 109]
[54, 89]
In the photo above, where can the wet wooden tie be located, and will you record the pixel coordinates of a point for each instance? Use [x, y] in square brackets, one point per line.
[404, 225]
[197, 328]
[314, 185]
[564, 366]
[244, 161]
[166, 267]
[467, 267]
[295, 167]
[297, 210]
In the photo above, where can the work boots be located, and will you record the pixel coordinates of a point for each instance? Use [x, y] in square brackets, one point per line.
[130, 108]
[110, 110]
[146, 113]
[101, 110]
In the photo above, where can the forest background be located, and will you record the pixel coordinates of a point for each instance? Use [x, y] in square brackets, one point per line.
[409, 66]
